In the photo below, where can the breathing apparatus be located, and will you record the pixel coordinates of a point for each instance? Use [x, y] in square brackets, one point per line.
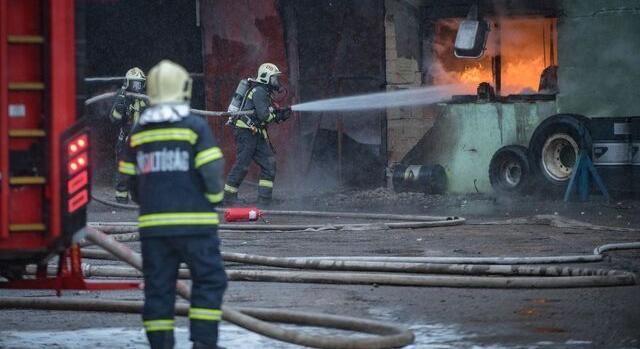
[134, 80]
[268, 75]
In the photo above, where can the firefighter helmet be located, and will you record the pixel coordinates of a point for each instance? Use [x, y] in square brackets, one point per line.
[135, 73]
[266, 72]
[134, 79]
[168, 83]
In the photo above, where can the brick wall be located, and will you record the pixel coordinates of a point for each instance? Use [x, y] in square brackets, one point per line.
[403, 45]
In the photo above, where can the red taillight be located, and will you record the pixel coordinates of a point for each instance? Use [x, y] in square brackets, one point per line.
[78, 163]
[79, 200]
[77, 145]
[77, 171]
[77, 182]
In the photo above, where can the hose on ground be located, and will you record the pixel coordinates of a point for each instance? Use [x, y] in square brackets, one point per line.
[391, 337]
[403, 222]
[385, 273]
[129, 229]
[114, 204]
[589, 278]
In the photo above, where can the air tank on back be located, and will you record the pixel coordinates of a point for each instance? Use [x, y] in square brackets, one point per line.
[238, 95]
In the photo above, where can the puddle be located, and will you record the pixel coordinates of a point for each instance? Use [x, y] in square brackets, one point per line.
[430, 336]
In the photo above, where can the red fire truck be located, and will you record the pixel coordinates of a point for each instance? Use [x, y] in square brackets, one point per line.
[45, 150]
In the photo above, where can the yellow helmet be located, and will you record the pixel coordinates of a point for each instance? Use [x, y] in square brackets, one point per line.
[266, 71]
[168, 83]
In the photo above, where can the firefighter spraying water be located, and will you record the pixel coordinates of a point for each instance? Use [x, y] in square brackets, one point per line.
[250, 132]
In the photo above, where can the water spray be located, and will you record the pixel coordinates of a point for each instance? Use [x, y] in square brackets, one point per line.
[372, 101]
[383, 100]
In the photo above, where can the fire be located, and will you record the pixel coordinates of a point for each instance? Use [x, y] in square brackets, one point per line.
[473, 75]
[522, 76]
[526, 47]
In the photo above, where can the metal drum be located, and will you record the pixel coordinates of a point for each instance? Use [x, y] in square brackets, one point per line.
[428, 179]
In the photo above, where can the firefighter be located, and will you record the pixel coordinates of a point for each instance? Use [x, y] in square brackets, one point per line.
[252, 140]
[125, 113]
[176, 169]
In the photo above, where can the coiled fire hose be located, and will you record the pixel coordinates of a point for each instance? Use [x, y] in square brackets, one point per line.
[387, 335]
[560, 277]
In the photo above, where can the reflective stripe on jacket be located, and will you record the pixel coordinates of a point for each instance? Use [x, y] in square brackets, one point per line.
[176, 170]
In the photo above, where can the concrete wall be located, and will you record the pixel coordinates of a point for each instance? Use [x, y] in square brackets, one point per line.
[599, 58]
[403, 52]
[465, 137]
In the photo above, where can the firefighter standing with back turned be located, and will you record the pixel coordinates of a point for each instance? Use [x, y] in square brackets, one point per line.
[175, 169]
[125, 113]
[250, 132]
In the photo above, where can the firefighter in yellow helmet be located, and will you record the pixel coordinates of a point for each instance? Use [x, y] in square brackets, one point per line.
[176, 176]
[252, 140]
[125, 113]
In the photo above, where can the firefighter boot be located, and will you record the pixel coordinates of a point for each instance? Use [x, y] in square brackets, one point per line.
[230, 199]
[122, 197]
[161, 339]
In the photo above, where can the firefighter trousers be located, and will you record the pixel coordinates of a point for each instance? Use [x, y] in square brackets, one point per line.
[161, 258]
[254, 147]
[122, 180]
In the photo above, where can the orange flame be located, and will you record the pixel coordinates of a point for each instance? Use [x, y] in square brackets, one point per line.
[524, 50]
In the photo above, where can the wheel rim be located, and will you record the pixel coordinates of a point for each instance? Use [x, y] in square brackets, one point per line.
[511, 173]
[559, 155]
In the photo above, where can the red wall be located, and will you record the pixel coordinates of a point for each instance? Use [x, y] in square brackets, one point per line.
[238, 36]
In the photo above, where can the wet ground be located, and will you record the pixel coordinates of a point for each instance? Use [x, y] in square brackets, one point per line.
[440, 317]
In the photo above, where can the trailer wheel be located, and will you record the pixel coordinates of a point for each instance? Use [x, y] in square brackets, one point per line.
[554, 148]
[509, 171]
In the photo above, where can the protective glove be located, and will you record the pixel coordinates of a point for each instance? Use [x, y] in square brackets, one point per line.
[282, 114]
[118, 109]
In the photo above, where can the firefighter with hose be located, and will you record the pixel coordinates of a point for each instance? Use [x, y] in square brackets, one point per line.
[125, 113]
[250, 132]
[175, 171]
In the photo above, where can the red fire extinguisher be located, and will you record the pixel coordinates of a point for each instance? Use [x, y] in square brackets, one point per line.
[235, 214]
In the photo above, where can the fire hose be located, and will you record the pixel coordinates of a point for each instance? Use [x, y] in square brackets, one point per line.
[563, 277]
[256, 320]
[401, 222]
[253, 319]
[403, 273]
[109, 95]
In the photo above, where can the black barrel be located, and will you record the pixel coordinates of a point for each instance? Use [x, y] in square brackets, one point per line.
[429, 179]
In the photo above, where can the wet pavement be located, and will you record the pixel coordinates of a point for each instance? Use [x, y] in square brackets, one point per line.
[440, 317]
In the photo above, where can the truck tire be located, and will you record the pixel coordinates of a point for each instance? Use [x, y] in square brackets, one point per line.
[554, 148]
[509, 170]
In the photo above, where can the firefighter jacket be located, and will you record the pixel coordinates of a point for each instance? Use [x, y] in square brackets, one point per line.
[258, 99]
[126, 111]
[176, 173]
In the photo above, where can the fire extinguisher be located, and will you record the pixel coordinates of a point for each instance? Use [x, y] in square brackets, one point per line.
[235, 214]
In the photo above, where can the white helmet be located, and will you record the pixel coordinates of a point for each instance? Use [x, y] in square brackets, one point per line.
[168, 83]
[135, 79]
[266, 72]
